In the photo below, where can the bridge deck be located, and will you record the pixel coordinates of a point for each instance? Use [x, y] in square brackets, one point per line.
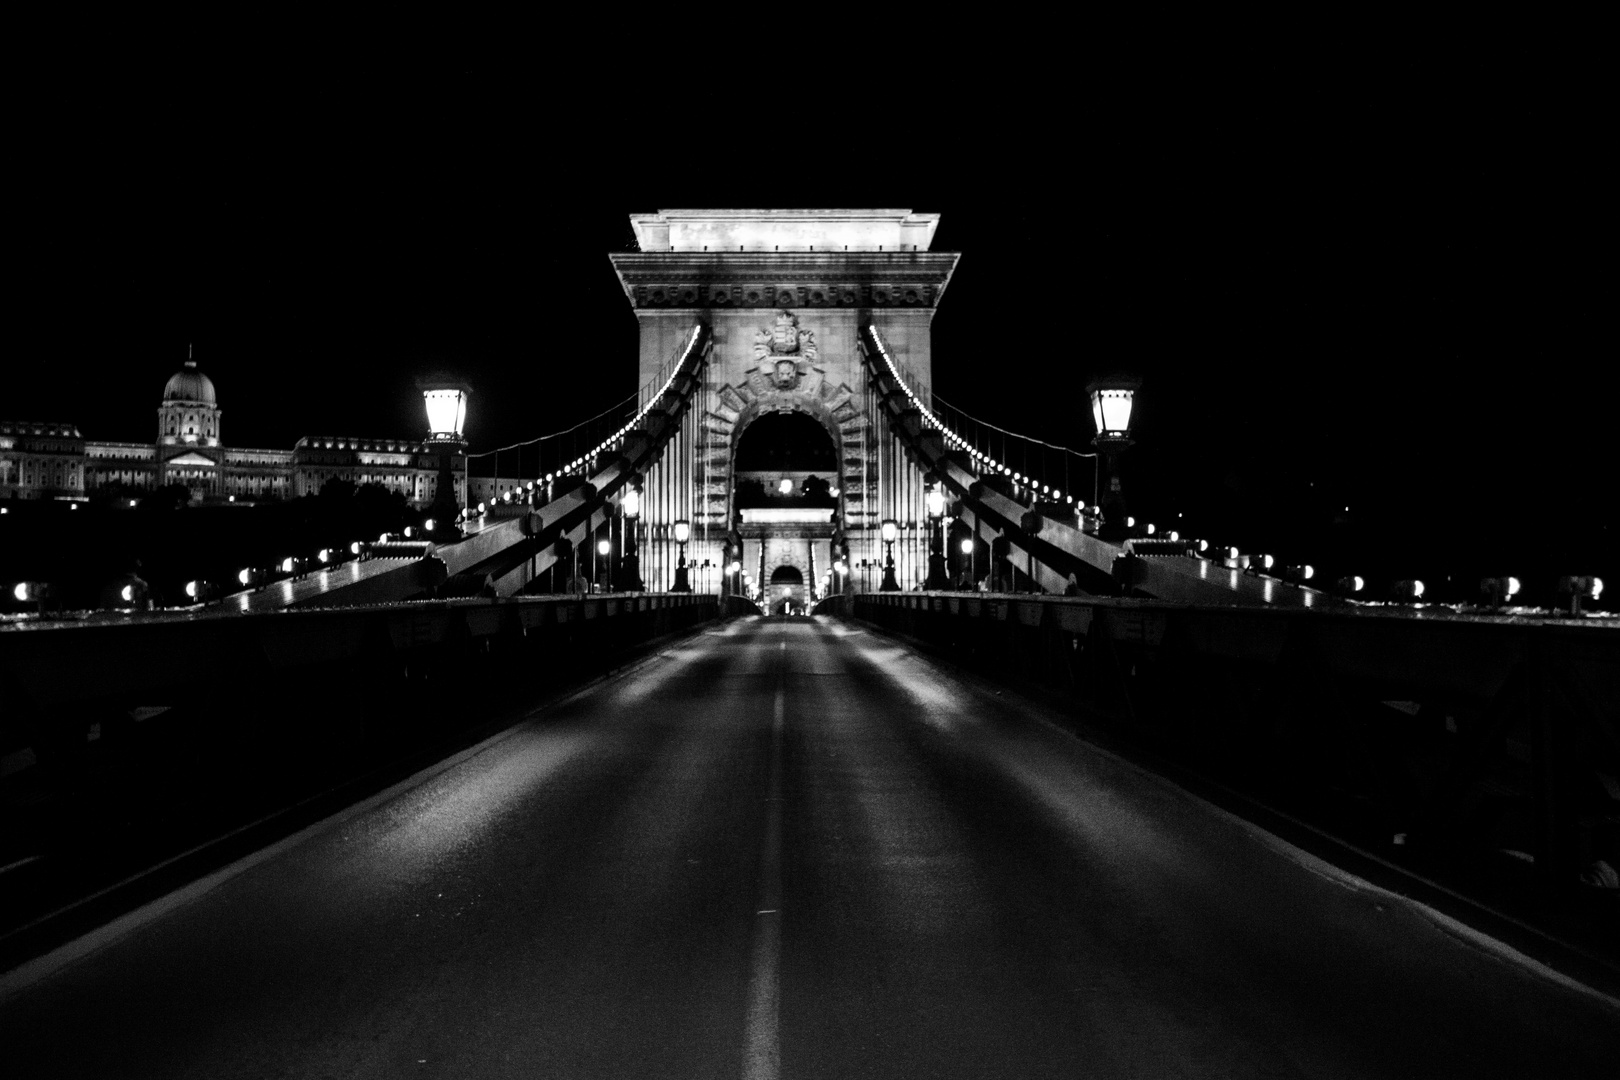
[791, 843]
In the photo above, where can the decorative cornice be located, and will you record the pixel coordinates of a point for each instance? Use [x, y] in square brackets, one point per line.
[788, 279]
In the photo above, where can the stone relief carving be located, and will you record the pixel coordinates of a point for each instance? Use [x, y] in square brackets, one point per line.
[783, 353]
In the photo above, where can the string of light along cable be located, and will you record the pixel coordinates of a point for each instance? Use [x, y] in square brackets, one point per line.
[557, 434]
[983, 460]
[579, 463]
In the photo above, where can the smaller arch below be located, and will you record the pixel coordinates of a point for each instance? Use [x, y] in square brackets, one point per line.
[787, 574]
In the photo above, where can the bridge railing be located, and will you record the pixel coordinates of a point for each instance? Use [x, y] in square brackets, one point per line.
[112, 733]
[1451, 744]
[1031, 547]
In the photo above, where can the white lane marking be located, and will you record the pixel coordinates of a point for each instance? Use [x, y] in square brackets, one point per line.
[762, 1051]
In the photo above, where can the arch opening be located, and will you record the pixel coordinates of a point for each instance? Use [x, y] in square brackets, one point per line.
[787, 574]
[785, 459]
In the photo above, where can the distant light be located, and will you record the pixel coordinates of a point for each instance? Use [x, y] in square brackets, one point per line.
[1174, 536]
[428, 525]
[1408, 590]
[631, 503]
[1310, 571]
[1232, 553]
[1130, 523]
[1597, 587]
[784, 485]
[325, 555]
[1265, 562]
[231, 498]
[967, 547]
[408, 531]
[20, 590]
[245, 577]
[603, 547]
[73, 506]
[354, 548]
[482, 509]
[288, 565]
[1150, 529]
[194, 589]
[936, 503]
[127, 593]
[1513, 586]
[383, 539]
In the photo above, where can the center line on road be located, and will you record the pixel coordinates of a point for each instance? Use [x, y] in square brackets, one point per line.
[762, 1054]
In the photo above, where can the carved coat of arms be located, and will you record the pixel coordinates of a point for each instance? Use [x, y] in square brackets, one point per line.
[780, 349]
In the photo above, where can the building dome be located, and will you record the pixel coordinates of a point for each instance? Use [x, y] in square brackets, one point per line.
[189, 384]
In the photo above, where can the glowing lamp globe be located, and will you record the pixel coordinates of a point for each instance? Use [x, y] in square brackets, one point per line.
[632, 503]
[446, 410]
[603, 547]
[683, 531]
[891, 530]
[967, 547]
[936, 503]
[785, 486]
[1112, 401]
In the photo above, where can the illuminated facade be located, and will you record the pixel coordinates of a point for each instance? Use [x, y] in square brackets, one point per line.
[54, 461]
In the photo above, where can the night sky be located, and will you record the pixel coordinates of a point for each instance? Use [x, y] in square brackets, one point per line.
[1371, 288]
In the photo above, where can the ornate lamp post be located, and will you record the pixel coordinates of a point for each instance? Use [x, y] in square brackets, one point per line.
[630, 565]
[446, 403]
[891, 532]
[683, 533]
[938, 578]
[1112, 400]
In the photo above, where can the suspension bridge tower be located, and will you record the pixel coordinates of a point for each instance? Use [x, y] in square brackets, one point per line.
[786, 470]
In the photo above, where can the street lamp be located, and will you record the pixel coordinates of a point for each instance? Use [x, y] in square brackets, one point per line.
[602, 548]
[891, 531]
[446, 402]
[969, 553]
[630, 565]
[1112, 404]
[683, 533]
[938, 578]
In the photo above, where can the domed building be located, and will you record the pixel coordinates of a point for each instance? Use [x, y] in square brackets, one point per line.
[53, 461]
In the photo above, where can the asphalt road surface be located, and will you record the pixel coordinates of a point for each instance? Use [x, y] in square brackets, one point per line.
[792, 848]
